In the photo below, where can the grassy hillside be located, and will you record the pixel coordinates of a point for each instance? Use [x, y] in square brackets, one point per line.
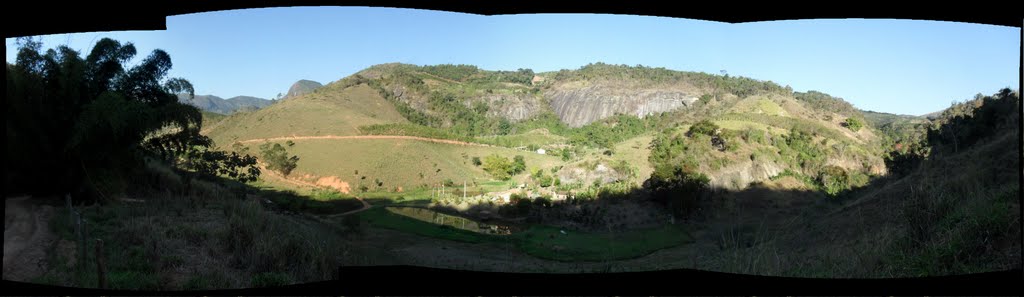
[400, 163]
[331, 110]
[212, 118]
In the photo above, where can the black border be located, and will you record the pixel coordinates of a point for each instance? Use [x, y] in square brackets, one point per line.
[412, 280]
[47, 17]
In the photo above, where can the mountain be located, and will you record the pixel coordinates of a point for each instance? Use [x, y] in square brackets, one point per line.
[302, 87]
[337, 110]
[226, 106]
[598, 106]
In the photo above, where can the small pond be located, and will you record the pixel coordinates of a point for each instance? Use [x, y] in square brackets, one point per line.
[457, 222]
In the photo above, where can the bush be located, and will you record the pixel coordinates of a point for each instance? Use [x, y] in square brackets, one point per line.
[834, 180]
[703, 127]
[854, 124]
[678, 189]
[477, 162]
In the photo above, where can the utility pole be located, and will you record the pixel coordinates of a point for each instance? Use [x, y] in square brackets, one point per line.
[463, 189]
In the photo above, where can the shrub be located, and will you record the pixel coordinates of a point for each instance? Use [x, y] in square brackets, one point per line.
[854, 124]
[679, 189]
[703, 127]
[834, 179]
[476, 161]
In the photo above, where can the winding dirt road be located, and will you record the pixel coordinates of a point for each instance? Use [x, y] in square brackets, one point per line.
[435, 140]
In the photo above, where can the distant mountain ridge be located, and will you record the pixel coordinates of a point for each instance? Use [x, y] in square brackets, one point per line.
[220, 105]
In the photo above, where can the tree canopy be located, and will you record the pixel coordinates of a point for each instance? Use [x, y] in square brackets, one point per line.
[71, 120]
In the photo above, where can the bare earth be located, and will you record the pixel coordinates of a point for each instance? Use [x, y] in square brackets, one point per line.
[27, 237]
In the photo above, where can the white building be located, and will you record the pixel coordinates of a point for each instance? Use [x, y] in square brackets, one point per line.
[541, 151]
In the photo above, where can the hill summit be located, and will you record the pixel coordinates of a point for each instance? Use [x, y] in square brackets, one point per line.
[302, 87]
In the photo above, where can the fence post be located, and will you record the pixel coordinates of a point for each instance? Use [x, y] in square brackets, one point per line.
[71, 211]
[85, 241]
[101, 265]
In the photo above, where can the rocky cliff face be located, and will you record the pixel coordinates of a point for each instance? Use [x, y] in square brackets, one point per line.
[586, 176]
[581, 105]
[513, 107]
[302, 87]
[739, 176]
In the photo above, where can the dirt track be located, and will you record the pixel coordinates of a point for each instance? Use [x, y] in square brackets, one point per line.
[27, 238]
[446, 141]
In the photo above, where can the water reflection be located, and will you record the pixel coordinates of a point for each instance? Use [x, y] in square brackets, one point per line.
[458, 222]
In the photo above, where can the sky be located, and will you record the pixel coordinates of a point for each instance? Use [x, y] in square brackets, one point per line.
[897, 66]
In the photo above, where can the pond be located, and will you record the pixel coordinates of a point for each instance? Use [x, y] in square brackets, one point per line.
[457, 222]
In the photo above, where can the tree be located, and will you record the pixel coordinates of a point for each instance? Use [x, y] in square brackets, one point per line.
[677, 188]
[277, 158]
[102, 118]
[519, 165]
[497, 166]
[476, 161]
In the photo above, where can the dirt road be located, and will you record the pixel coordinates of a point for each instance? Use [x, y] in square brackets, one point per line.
[27, 238]
[446, 141]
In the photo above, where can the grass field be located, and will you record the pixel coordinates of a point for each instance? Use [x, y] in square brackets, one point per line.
[543, 241]
[636, 152]
[743, 125]
[538, 137]
[328, 111]
[758, 105]
[401, 163]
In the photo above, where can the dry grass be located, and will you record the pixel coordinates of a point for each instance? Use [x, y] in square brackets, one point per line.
[328, 111]
[399, 163]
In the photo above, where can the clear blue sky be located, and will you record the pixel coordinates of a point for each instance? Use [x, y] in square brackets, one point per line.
[898, 66]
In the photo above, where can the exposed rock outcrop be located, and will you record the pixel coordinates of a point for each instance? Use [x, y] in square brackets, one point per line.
[741, 175]
[586, 176]
[302, 87]
[582, 105]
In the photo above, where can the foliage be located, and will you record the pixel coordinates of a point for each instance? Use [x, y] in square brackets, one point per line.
[98, 115]
[679, 189]
[518, 165]
[499, 167]
[740, 86]
[854, 124]
[833, 179]
[277, 158]
[826, 102]
[704, 127]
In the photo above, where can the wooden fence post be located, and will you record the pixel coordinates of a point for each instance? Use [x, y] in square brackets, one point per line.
[85, 241]
[101, 265]
[71, 211]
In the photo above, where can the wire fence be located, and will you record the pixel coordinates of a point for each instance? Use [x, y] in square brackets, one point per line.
[76, 219]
